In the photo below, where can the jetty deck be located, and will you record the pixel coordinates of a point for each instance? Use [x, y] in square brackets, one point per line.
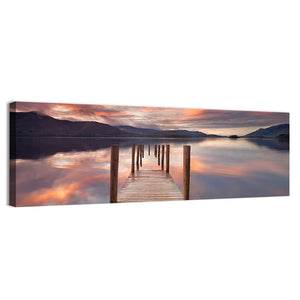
[149, 179]
[149, 185]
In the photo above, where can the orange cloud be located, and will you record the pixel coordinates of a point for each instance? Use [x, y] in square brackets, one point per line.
[205, 120]
[188, 113]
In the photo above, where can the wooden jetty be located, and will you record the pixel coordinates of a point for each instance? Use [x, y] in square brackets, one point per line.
[150, 184]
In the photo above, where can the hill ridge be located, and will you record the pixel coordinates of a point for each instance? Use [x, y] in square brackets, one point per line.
[272, 131]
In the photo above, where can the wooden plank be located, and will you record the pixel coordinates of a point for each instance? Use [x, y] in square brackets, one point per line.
[149, 185]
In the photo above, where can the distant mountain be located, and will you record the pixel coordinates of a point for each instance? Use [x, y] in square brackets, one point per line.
[36, 124]
[146, 132]
[273, 131]
[184, 133]
[139, 131]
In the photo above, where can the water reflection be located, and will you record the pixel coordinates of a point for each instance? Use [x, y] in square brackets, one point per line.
[76, 171]
[275, 144]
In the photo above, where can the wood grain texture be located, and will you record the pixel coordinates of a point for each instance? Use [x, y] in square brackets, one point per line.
[149, 185]
[114, 165]
[186, 171]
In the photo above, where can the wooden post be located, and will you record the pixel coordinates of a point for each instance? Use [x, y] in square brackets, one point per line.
[141, 155]
[132, 157]
[137, 157]
[186, 171]
[162, 157]
[143, 150]
[114, 163]
[167, 158]
[155, 150]
[158, 154]
[148, 149]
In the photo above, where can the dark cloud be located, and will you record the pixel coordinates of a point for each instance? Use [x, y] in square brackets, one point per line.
[159, 118]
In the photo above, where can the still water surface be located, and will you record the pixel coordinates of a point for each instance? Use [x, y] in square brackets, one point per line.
[57, 171]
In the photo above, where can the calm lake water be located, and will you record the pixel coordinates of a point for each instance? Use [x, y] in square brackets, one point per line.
[57, 171]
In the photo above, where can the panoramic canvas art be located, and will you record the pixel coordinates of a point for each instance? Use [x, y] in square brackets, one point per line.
[78, 154]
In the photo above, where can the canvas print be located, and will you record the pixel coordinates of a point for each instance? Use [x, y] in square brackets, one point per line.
[64, 154]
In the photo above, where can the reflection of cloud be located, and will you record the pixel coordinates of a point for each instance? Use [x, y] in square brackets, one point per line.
[220, 168]
[209, 121]
[68, 178]
[223, 168]
[62, 193]
[75, 159]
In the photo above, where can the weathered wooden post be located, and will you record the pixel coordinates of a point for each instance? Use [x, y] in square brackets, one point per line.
[167, 158]
[114, 164]
[158, 155]
[137, 157]
[162, 156]
[141, 155]
[132, 157]
[186, 171]
[148, 149]
[155, 150]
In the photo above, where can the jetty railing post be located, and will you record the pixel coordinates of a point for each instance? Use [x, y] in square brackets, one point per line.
[114, 164]
[155, 150]
[158, 155]
[141, 155]
[137, 156]
[167, 158]
[148, 149]
[143, 150]
[186, 171]
[162, 156]
[132, 157]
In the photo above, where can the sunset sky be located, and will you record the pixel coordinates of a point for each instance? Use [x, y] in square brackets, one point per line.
[222, 122]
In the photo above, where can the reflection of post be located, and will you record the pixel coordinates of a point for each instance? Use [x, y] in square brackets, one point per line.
[137, 157]
[155, 150]
[158, 155]
[162, 156]
[186, 171]
[148, 149]
[167, 158]
[132, 157]
[114, 163]
[141, 155]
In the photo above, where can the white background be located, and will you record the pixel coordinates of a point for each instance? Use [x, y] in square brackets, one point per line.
[206, 54]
